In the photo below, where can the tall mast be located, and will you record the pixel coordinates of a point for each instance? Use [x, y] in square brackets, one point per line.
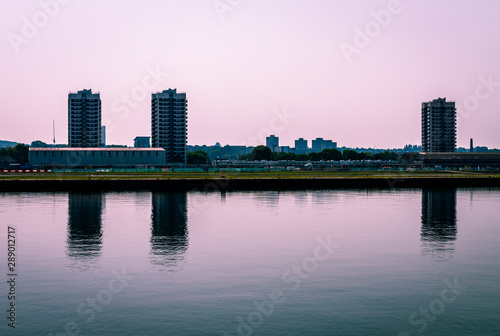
[54, 131]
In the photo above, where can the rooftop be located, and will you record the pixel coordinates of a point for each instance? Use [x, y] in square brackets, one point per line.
[96, 149]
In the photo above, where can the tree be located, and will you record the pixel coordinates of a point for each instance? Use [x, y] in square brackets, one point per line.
[284, 156]
[261, 153]
[197, 157]
[20, 153]
[331, 154]
[386, 155]
[38, 143]
[314, 156]
[349, 154]
[301, 157]
[365, 156]
[245, 157]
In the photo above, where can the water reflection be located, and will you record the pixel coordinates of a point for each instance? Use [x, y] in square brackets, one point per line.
[439, 222]
[301, 198]
[169, 234]
[267, 199]
[84, 226]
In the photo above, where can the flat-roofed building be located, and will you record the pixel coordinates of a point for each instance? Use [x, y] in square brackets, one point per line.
[453, 160]
[103, 136]
[319, 144]
[439, 131]
[84, 119]
[284, 149]
[142, 142]
[96, 157]
[301, 146]
[273, 142]
[169, 124]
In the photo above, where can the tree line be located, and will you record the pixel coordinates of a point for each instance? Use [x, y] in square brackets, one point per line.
[265, 153]
[19, 153]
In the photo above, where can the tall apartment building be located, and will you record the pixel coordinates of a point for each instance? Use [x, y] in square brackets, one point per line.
[301, 146]
[169, 124]
[84, 119]
[439, 129]
[273, 142]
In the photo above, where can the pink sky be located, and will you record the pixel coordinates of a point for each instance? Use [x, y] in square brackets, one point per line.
[243, 63]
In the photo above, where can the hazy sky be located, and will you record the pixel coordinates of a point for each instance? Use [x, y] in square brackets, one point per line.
[355, 72]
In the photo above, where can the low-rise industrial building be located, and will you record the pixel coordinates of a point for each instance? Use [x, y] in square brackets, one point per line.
[96, 157]
[452, 160]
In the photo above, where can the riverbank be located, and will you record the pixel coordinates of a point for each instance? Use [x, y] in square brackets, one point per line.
[243, 181]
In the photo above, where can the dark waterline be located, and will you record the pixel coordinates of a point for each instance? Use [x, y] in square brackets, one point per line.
[246, 184]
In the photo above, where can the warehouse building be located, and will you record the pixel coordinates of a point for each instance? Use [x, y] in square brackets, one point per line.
[96, 157]
[452, 160]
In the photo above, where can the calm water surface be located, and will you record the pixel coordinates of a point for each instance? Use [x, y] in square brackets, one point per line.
[398, 262]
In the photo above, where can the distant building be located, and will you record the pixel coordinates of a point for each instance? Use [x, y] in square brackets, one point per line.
[319, 144]
[273, 142]
[439, 126]
[103, 136]
[142, 142]
[330, 144]
[96, 157]
[169, 124]
[84, 119]
[284, 149]
[412, 148]
[301, 146]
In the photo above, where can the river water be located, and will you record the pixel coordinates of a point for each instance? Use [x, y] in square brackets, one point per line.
[346, 262]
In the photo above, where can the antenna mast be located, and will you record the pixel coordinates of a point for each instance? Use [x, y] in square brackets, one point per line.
[54, 131]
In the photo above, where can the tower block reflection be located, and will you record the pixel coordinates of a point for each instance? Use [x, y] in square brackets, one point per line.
[84, 225]
[439, 222]
[169, 233]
